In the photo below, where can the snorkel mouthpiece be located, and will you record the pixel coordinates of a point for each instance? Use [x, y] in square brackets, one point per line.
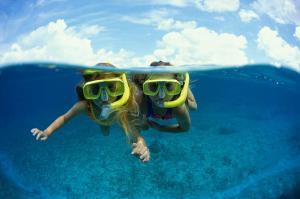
[183, 95]
[105, 112]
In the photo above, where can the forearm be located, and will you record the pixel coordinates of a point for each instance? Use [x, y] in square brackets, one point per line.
[60, 121]
[137, 137]
[172, 129]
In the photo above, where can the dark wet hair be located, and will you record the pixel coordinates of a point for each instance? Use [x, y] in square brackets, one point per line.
[89, 77]
[106, 64]
[160, 63]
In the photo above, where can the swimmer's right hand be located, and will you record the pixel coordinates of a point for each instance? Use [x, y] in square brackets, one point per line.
[40, 135]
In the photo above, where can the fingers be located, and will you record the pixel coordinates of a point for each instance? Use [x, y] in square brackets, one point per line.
[35, 131]
[44, 138]
[135, 150]
[145, 155]
[39, 134]
[147, 158]
[142, 151]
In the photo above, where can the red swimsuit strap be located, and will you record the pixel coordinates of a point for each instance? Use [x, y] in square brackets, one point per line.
[166, 116]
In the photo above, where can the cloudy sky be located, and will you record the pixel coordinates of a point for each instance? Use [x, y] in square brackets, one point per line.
[136, 32]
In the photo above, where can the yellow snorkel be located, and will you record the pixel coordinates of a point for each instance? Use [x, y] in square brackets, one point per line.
[182, 97]
[125, 97]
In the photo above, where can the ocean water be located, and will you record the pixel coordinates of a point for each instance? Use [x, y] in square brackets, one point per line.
[244, 141]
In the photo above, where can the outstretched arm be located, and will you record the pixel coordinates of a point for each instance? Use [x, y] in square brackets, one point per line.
[80, 106]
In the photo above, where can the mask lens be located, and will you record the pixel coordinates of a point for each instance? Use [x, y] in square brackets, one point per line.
[115, 88]
[170, 86]
[94, 89]
[153, 87]
[112, 86]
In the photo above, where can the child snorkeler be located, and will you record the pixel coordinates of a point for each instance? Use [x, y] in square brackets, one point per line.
[106, 98]
[190, 101]
[166, 100]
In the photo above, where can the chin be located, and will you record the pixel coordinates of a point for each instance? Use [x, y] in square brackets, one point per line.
[159, 103]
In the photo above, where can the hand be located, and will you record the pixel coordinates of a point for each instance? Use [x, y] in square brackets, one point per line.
[40, 135]
[140, 148]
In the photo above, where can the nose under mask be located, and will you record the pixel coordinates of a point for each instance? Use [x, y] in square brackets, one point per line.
[161, 93]
[104, 95]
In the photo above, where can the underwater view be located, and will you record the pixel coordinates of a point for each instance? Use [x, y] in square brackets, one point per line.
[243, 141]
[134, 99]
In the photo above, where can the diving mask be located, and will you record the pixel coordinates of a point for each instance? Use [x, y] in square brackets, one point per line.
[173, 87]
[170, 86]
[113, 86]
[93, 89]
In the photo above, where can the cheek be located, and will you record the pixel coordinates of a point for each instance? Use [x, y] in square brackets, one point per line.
[112, 99]
[153, 98]
[168, 97]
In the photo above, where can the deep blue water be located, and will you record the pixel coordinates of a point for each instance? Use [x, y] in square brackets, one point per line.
[244, 141]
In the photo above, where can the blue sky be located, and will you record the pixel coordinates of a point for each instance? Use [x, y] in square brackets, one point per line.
[136, 32]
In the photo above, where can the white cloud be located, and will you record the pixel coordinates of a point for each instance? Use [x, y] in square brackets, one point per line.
[161, 20]
[278, 49]
[282, 11]
[91, 30]
[58, 42]
[202, 46]
[247, 15]
[297, 33]
[149, 18]
[217, 5]
[176, 3]
[169, 24]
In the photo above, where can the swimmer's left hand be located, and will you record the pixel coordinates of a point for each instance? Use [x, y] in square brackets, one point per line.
[140, 148]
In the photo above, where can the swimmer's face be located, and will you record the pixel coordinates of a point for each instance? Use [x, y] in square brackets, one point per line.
[161, 95]
[104, 98]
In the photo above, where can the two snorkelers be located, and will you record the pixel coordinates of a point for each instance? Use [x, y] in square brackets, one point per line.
[110, 97]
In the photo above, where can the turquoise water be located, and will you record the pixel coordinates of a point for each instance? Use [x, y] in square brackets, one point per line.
[244, 141]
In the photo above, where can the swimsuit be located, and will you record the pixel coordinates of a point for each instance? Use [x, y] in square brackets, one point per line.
[166, 120]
